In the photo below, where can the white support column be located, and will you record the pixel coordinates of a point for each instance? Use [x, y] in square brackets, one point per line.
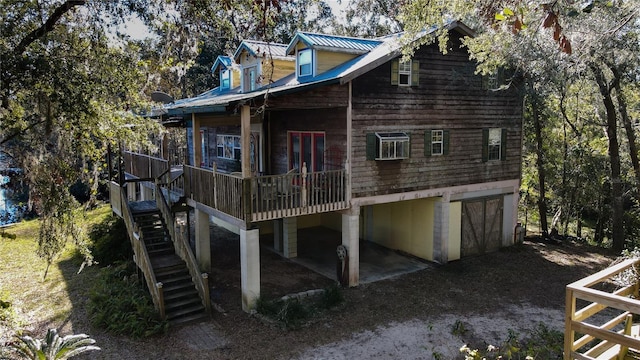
[249, 268]
[203, 241]
[441, 229]
[290, 237]
[351, 240]
[277, 235]
[509, 218]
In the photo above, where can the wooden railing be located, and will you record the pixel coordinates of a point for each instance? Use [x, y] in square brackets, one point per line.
[219, 191]
[295, 194]
[144, 166]
[267, 197]
[182, 248]
[612, 337]
[141, 256]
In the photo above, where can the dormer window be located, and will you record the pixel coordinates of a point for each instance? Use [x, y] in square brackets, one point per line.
[305, 62]
[225, 79]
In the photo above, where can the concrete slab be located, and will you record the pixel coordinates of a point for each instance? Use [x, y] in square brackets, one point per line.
[317, 251]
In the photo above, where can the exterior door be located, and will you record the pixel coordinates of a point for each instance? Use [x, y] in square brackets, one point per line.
[481, 226]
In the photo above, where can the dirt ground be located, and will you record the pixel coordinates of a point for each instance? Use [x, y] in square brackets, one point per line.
[407, 317]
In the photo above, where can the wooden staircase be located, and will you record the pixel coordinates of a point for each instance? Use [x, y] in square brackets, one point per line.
[181, 299]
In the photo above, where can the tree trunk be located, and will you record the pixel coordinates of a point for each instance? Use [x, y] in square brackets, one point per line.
[542, 202]
[617, 209]
[628, 127]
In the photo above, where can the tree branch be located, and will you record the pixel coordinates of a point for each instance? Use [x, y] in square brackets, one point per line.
[21, 131]
[48, 25]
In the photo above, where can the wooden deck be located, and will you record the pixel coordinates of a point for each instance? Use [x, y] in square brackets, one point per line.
[246, 200]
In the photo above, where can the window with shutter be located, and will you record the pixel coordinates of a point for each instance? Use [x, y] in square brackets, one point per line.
[405, 73]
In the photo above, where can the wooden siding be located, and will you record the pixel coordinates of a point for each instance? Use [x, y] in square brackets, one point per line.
[326, 60]
[330, 121]
[322, 97]
[449, 97]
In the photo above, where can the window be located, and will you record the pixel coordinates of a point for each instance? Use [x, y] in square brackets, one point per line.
[225, 79]
[305, 62]
[494, 144]
[228, 147]
[387, 146]
[250, 79]
[404, 73]
[436, 142]
[306, 147]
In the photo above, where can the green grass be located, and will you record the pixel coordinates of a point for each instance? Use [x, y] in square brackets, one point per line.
[34, 300]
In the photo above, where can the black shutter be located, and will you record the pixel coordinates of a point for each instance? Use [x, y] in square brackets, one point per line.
[371, 146]
[485, 145]
[445, 142]
[427, 143]
[503, 145]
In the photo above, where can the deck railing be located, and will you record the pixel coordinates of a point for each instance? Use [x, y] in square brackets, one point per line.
[182, 248]
[144, 166]
[267, 197]
[604, 334]
[141, 256]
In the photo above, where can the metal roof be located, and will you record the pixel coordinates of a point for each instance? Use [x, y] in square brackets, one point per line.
[388, 48]
[224, 61]
[261, 48]
[333, 43]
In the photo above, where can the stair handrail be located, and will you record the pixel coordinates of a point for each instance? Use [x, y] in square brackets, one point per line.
[142, 259]
[183, 250]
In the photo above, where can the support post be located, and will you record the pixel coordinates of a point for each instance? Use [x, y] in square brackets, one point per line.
[245, 140]
[351, 240]
[441, 229]
[290, 237]
[203, 241]
[277, 235]
[249, 268]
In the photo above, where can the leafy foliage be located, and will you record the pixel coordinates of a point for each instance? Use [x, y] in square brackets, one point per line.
[541, 343]
[54, 347]
[110, 242]
[118, 304]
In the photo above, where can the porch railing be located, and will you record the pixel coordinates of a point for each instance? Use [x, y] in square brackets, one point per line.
[144, 166]
[604, 334]
[267, 197]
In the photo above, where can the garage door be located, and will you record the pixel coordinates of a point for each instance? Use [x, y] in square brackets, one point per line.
[481, 226]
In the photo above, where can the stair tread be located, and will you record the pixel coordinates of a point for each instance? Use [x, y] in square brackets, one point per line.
[178, 295]
[189, 318]
[177, 303]
[180, 286]
[184, 311]
[169, 278]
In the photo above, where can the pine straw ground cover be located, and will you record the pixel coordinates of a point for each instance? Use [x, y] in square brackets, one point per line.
[530, 276]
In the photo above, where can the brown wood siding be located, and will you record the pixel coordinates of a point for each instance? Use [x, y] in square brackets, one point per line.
[330, 121]
[449, 97]
[317, 98]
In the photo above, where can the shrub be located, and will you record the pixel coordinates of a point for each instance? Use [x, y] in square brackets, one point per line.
[118, 303]
[293, 312]
[110, 241]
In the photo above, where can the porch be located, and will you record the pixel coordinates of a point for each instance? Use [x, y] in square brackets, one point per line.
[600, 312]
[237, 199]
